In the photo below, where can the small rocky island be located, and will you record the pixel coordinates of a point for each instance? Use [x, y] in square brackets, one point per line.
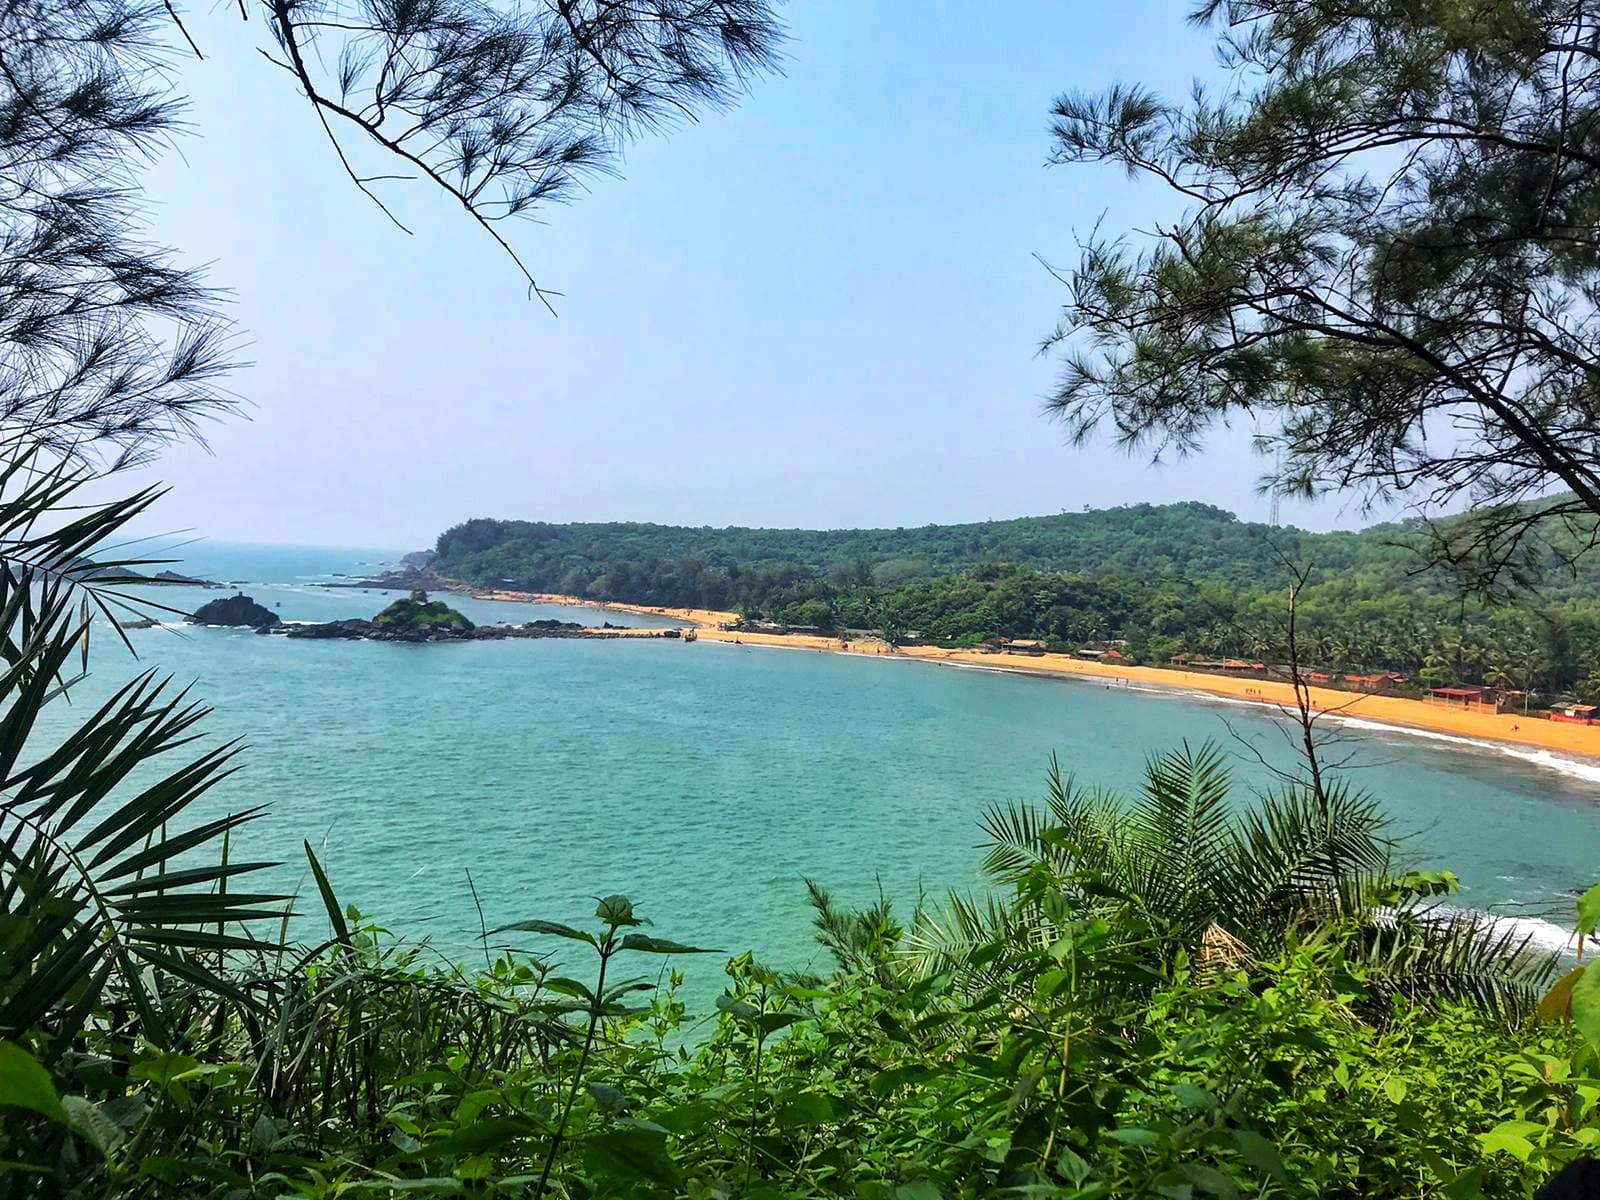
[418, 619]
[87, 568]
[412, 619]
[235, 610]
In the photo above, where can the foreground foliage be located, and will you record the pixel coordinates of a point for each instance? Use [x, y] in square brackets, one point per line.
[378, 1075]
[1192, 1001]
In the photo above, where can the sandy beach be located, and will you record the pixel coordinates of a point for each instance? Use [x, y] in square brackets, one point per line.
[1579, 740]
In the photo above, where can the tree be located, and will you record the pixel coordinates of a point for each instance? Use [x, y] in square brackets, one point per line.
[119, 931]
[107, 349]
[1201, 875]
[1387, 257]
[506, 107]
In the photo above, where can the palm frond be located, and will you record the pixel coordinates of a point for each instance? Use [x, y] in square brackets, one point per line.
[1298, 856]
[105, 885]
[950, 936]
[1436, 953]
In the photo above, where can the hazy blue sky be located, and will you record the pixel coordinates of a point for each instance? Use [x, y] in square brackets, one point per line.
[819, 309]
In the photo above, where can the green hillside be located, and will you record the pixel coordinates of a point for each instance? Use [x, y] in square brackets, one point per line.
[644, 562]
[1169, 580]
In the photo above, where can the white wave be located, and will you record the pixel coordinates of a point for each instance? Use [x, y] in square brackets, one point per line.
[1561, 764]
[1546, 935]
[1537, 932]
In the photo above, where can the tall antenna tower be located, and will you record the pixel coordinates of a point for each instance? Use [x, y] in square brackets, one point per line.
[1277, 470]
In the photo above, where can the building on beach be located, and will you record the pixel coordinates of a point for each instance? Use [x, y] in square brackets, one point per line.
[1575, 714]
[1021, 646]
[1474, 699]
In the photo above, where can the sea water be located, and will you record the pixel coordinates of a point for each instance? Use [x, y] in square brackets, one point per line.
[707, 780]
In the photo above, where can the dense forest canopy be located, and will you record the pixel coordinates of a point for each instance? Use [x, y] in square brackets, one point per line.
[1169, 580]
[1189, 539]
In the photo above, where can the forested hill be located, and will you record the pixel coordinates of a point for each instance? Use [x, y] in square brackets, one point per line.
[1164, 581]
[664, 563]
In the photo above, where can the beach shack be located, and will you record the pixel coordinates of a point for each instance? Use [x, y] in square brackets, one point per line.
[1021, 646]
[1474, 699]
[1380, 681]
[1574, 714]
[1108, 655]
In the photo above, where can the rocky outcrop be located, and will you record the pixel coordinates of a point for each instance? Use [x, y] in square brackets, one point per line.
[352, 627]
[408, 579]
[417, 614]
[235, 610]
[185, 580]
[416, 560]
[359, 629]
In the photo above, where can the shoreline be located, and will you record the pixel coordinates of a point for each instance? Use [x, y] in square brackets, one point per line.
[1581, 742]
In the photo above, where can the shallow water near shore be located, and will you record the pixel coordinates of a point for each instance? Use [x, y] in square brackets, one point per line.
[707, 780]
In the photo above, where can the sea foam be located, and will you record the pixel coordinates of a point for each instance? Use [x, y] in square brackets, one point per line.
[1572, 768]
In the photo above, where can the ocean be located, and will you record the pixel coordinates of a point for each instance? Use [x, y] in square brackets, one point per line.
[707, 781]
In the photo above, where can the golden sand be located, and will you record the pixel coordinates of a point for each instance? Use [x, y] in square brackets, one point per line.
[1582, 740]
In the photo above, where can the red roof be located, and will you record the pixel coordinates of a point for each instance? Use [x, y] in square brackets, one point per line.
[1457, 692]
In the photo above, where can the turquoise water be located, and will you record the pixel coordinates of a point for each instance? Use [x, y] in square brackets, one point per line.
[705, 780]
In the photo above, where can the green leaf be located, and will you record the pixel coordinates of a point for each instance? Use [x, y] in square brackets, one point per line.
[652, 945]
[741, 1009]
[1589, 911]
[26, 1084]
[341, 930]
[1259, 1153]
[436, 1183]
[1209, 1180]
[93, 1126]
[1395, 1088]
[610, 1099]
[1192, 1096]
[1132, 1136]
[568, 987]
[480, 1136]
[616, 910]
[1072, 1165]
[1556, 1004]
[1511, 1137]
[1586, 1004]
[922, 1189]
[885, 1082]
[628, 1153]
[809, 1108]
[553, 928]
[164, 1068]
[687, 1118]
[771, 1022]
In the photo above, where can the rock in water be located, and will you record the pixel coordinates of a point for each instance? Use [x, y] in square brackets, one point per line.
[235, 610]
[353, 627]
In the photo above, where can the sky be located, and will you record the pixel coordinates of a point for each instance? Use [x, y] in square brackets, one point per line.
[821, 309]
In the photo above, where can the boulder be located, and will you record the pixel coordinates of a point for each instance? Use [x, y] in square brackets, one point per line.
[353, 627]
[235, 610]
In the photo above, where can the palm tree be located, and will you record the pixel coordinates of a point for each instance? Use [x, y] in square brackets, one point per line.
[118, 916]
[1183, 868]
